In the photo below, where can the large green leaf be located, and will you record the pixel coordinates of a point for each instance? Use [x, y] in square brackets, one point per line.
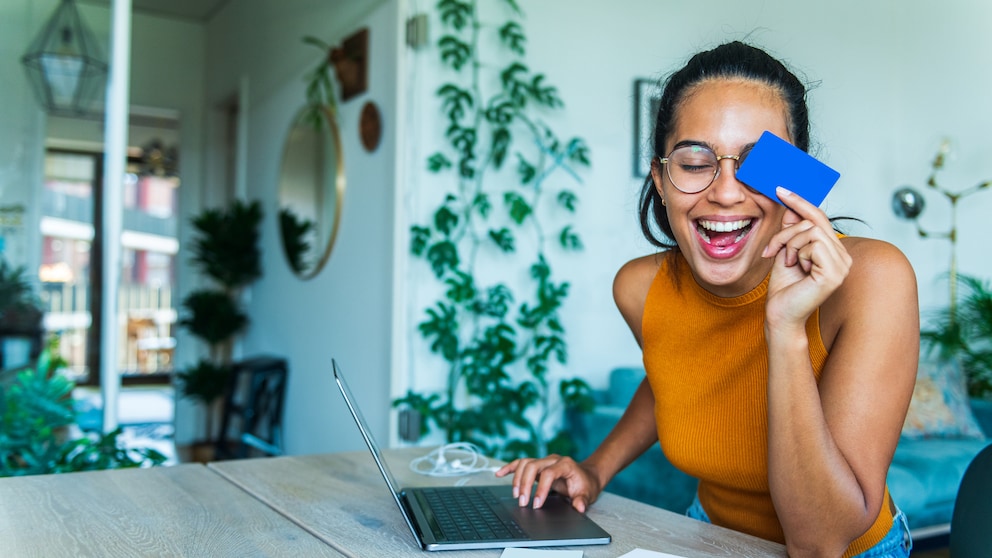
[513, 37]
[454, 52]
[517, 207]
[455, 13]
[443, 255]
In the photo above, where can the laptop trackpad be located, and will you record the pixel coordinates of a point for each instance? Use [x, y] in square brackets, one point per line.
[552, 520]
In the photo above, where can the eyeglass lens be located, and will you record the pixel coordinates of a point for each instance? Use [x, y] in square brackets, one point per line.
[692, 168]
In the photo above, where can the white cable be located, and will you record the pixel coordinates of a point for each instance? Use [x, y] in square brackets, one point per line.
[452, 460]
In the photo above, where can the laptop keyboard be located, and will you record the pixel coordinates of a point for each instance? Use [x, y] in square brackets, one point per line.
[470, 514]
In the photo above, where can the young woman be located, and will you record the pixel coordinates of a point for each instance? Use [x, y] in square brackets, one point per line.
[780, 355]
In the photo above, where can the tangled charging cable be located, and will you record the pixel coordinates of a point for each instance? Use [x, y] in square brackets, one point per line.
[452, 460]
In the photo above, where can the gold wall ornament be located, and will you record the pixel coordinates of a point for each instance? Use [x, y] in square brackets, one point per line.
[908, 203]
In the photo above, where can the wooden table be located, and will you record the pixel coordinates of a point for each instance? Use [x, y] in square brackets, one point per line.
[186, 510]
[341, 499]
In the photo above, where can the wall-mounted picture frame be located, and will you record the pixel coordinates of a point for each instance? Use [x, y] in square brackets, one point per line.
[647, 95]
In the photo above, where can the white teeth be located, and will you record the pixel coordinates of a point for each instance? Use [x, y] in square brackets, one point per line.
[724, 226]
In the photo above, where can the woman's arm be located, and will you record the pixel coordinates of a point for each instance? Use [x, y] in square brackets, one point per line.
[830, 444]
[633, 434]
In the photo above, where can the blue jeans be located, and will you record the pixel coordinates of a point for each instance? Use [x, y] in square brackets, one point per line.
[895, 544]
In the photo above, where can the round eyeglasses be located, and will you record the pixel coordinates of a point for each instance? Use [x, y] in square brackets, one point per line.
[692, 168]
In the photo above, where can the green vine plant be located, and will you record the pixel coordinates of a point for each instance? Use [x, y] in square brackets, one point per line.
[320, 92]
[500, 348]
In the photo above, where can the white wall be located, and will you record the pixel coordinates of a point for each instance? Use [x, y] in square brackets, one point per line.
[890, 83]
[345, 311]
[22, 127]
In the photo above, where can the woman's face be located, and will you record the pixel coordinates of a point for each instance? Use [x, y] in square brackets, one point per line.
[723, 229]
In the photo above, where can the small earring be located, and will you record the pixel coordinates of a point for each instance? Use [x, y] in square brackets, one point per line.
[663, 204]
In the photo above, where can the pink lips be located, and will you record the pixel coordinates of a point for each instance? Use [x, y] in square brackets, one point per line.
[722, 244]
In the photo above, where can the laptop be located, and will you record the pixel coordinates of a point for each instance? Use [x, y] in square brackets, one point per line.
[474, 517]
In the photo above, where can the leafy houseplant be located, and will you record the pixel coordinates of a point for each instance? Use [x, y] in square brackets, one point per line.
[20, 310]
[964, 331]
[36, 413]
[226, 250]
[499, 347]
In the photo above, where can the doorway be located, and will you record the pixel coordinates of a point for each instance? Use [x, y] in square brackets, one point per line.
[71, 267]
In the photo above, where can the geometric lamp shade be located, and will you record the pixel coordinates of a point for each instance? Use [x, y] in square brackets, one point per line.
[65, 66]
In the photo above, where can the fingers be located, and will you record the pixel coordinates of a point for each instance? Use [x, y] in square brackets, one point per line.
[543, 475]
[801, 208]
[790, 240]
[801, 217]
[525, 472]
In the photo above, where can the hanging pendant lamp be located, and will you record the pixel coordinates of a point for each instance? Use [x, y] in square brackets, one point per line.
[65, 66]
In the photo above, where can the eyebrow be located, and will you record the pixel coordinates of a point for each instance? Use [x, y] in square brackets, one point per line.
[688, 143]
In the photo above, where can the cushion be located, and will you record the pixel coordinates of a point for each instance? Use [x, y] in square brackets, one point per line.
[623, 383]
[940, 406]
[937, 465]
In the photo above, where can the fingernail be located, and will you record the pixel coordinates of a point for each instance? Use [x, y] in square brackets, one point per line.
[537, 502]
[780, 191]
[764, 253]
[516, 492]
[522, 501]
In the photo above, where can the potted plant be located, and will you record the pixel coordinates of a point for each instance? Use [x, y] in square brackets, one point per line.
[38, 434]
[964, 331]
[20, 317]
[226, 250]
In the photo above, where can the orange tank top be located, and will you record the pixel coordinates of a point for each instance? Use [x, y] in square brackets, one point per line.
[707, 364]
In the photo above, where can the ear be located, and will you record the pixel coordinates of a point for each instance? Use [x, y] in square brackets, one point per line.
[656, 175]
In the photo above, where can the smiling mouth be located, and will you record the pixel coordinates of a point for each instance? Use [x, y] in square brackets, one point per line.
[723, 233]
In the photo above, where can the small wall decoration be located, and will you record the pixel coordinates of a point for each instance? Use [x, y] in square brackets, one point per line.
[351, 64]
[646, 98]
[370, 126]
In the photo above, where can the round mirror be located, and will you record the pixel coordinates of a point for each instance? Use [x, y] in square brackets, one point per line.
[311, 190]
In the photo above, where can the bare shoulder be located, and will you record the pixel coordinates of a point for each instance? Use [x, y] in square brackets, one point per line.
[872, 257]
[880, 286]
[631, 286]
[636, 276]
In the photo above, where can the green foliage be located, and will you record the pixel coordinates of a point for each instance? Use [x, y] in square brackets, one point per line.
[204, 382]
[320, 87]
[227, 246]
[966, 334]
[20, 309]
[213, 316]
[499, 346]
[226, 249]
[294, 231]
[36, 411]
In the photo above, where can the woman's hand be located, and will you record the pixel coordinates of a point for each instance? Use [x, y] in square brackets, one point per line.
[554, 472]
[810, 263]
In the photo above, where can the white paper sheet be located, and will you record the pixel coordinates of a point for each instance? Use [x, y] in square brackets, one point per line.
[641, 553]
[539, 553]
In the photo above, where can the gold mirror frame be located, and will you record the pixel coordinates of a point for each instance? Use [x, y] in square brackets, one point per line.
[311, 176]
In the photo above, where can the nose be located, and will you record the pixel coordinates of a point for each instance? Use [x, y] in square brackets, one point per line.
[726, 189]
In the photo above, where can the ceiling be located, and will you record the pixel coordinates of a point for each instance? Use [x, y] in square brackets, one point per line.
[193, 10]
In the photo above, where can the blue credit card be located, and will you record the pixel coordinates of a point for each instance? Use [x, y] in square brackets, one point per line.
[775, 162]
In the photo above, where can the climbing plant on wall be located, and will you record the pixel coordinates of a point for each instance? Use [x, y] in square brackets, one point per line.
[491, 240]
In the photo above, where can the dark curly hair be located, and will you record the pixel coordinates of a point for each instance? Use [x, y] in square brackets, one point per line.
[731, 60]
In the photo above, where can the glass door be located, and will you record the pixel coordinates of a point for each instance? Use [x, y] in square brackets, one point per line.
[70, 268]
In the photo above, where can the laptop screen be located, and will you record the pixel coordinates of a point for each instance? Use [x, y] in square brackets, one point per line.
[349, 400]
